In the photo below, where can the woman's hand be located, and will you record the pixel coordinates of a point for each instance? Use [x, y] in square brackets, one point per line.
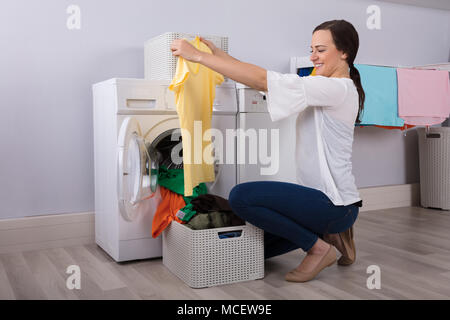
[182, 48]
[211, 46]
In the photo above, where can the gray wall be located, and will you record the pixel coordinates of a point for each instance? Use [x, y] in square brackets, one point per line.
[47, 71]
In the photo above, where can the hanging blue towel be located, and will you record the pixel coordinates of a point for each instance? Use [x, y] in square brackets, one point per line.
[381, 104]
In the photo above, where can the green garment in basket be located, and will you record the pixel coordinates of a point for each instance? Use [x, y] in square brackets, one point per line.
[173, 179]
[214, 219]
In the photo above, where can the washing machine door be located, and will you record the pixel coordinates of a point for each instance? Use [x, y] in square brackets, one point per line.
[137, 170]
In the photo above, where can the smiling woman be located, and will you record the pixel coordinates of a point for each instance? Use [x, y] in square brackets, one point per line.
[318, 213]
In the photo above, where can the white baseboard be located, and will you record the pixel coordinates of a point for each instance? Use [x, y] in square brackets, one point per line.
[43, 232]
[52, 231]
[387, 197]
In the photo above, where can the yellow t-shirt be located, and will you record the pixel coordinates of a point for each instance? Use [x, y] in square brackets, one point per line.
[194, 86]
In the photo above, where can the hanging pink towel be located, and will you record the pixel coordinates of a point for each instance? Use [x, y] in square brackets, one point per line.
[423, 96]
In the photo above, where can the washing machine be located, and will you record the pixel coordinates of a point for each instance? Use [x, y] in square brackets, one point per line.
[265, 149]
[135, 125]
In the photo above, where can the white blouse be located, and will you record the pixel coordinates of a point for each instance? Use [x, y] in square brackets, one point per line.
[326, 110]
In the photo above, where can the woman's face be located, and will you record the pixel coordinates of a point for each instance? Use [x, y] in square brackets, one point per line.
[328, 61]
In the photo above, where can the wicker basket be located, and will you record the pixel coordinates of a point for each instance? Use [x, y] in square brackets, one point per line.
[201, 259]
[434, 159]
[160, 64]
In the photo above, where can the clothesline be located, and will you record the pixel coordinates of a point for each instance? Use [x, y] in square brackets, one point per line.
[427, 130]
[396, 96]
[437, 66]
[304, 62]
[404, 131]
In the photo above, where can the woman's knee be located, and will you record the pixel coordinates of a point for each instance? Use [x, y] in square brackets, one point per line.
[235, 198]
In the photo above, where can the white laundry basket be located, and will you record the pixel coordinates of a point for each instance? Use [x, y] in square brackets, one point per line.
[434, 159]
[201, 259]
[160, 64]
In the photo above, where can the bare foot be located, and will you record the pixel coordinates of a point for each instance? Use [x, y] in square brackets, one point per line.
[314, 255]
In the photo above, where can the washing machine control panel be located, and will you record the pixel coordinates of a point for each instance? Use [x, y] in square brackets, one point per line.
[251, 100]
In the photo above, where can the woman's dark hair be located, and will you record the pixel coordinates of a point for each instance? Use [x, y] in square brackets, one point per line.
[346, 39]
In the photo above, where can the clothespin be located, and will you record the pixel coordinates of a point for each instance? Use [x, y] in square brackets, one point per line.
[427, 129]
[407, 130]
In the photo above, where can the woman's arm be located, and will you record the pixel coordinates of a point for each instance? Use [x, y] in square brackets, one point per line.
[245, 73]
[219, 61]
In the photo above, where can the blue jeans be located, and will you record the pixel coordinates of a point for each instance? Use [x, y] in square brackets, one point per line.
[292, 216]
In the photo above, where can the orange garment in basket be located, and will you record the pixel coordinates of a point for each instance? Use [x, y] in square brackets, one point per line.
[167, 210]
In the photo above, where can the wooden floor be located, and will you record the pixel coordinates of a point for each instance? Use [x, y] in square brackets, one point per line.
[410, 245]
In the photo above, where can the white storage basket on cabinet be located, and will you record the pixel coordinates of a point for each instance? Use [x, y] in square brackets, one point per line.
[434, 159]
[160, 63]
[201, 259]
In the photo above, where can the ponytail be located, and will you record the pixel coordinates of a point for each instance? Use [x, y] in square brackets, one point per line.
[354, 74]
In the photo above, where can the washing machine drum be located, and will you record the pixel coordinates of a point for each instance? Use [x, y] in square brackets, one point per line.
[167, 152]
